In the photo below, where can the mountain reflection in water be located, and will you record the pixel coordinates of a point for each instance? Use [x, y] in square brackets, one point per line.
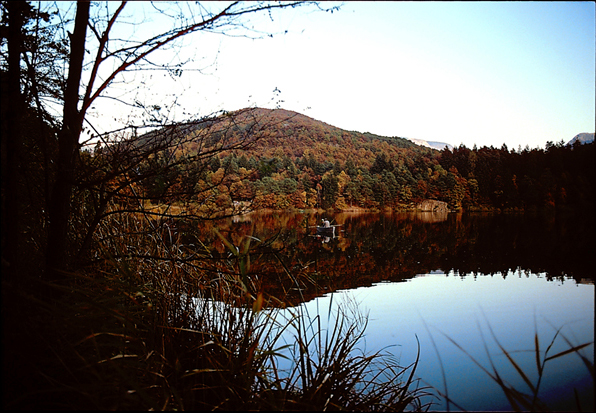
[374, 247]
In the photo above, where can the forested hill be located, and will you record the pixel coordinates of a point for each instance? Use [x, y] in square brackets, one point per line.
[295, 135]
[283, 133]
[283, 159]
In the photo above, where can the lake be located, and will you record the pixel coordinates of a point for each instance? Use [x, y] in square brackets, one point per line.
[470, 279]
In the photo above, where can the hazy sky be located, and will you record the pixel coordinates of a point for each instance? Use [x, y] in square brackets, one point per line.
[484, 73]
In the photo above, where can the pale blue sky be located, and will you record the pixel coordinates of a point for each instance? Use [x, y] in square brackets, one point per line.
[484, 73]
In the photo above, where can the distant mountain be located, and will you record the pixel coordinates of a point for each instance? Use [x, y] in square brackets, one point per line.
[439, 145]
[431, 144]
[582, 138]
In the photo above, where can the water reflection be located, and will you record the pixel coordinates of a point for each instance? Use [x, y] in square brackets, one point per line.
[431, 216]
[369, 248]
[515, 308]
[462, 276]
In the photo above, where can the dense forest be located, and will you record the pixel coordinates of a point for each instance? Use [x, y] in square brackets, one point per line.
[298, 162]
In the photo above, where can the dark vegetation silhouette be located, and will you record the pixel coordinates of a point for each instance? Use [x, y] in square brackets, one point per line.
[100, 288]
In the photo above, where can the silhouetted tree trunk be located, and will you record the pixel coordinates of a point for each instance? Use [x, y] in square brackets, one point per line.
[76, 91]
[12, 112]
[68, 147]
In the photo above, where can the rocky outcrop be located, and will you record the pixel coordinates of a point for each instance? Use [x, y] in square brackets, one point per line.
[432, 205]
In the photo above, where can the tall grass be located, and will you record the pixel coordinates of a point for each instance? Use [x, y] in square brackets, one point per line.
[330, 370]
[154, 324]
[528, 396]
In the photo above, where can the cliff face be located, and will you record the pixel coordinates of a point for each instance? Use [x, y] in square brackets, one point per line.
[431, 205]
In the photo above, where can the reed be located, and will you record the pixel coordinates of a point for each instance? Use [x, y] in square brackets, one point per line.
[528, 398]
[156, 325]
[330, 370]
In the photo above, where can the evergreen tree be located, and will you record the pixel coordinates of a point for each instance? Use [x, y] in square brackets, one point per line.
[329, 191]
[381, 164]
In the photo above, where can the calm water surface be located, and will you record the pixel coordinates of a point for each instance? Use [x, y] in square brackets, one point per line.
[465, 309]
[471, 278]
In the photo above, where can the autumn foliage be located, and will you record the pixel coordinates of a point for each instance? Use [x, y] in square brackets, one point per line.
[298, 162]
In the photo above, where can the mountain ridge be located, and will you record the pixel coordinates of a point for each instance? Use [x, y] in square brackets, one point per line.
[420, 142]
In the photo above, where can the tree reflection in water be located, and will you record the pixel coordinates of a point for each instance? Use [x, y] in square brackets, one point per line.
[475, 251]
[297, 265]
